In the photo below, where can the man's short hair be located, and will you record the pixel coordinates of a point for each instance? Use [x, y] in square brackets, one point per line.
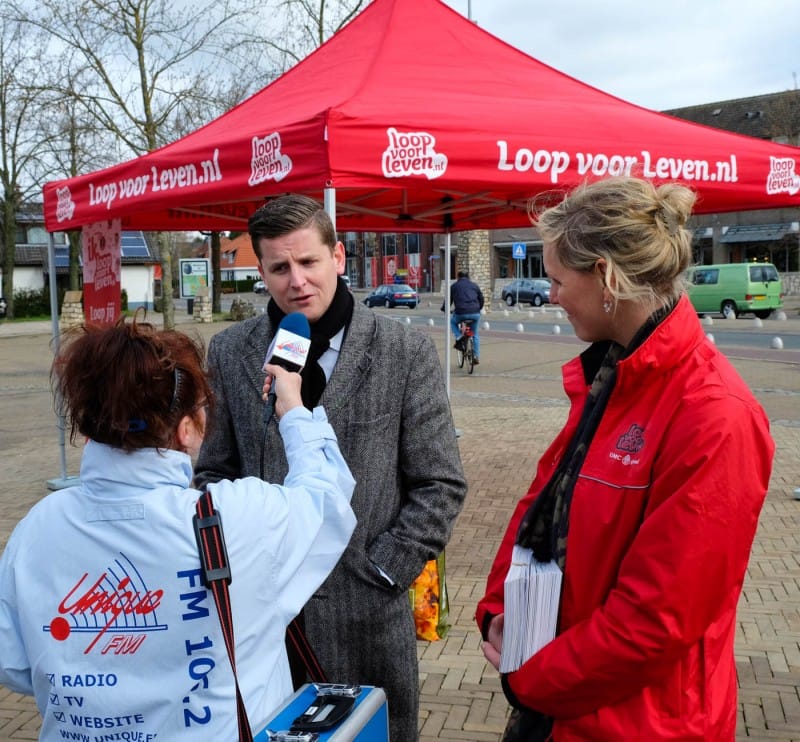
[285, 214]
[463, 274]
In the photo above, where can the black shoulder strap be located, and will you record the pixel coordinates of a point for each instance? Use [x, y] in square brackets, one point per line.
[217, 577]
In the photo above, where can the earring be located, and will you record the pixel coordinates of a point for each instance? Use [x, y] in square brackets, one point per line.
[606, 306]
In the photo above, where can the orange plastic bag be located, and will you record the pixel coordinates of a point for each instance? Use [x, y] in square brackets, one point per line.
[428, 595]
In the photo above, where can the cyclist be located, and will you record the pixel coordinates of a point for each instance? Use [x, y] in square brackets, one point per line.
[467, 300]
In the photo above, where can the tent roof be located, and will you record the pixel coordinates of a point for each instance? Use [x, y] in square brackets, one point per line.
[420, 121]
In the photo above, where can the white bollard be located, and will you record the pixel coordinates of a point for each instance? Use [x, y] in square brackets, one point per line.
[520, 328]
[707, 320]
[559, 314]
[780, 316]
[556, 329]
[776, 344]
[729, 313]
[485, 326]
[757, 322]
[505, 312]
[430, 322]
[710, 338]
[408, 320]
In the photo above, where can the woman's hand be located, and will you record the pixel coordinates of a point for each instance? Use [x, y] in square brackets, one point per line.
[286, 385]
[494, 643]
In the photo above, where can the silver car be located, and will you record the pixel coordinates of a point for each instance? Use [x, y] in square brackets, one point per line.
[534, 291]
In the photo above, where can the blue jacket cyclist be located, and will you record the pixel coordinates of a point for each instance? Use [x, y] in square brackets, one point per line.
[467, 301]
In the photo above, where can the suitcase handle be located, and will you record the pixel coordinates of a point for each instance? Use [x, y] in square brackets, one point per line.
[324, 712]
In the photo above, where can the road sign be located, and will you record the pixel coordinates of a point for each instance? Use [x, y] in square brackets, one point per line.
[518, 250]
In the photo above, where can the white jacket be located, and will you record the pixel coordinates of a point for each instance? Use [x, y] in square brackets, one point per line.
[103, 617]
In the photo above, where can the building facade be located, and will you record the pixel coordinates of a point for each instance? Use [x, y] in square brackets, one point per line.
[770, 235]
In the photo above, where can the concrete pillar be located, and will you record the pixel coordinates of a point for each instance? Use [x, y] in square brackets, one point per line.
[71, 311]
[203, 306]
[203, 309]
[475, 257]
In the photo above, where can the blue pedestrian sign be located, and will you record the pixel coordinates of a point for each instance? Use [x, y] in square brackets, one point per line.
[518, 250]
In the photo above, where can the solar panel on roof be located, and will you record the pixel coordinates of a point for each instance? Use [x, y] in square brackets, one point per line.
[134, 245]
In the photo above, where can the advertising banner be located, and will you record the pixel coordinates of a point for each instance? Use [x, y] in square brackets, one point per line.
[102, 271]
[389, 269]
[414, 276]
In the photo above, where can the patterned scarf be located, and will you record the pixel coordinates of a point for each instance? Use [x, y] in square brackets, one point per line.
[545, 525]
[337, 316]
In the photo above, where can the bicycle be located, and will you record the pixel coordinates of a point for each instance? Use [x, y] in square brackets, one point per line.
[465, 353]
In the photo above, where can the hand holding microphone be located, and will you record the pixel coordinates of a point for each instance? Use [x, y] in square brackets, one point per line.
[288, 396]
[288, 350]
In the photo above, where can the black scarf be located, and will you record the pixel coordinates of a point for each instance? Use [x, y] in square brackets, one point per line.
[337, 316]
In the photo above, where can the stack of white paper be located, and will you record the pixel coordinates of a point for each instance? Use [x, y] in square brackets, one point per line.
[532, 594]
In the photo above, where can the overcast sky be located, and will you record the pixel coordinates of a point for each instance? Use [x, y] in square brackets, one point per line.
[659, 55]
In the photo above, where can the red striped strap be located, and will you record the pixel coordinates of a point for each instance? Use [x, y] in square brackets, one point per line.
[217, 577]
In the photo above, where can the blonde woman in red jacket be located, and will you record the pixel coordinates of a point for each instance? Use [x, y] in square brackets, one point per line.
[647, 500]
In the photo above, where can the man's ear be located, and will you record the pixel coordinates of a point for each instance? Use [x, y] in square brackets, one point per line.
[339, 256]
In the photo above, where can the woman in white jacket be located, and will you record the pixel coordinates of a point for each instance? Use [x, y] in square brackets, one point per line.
[103, 615]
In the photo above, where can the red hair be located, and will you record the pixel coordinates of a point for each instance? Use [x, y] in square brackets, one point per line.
[129, 385]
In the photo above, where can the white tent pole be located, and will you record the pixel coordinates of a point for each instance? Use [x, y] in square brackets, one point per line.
[329, 202]
[51, 266]
[447, 333]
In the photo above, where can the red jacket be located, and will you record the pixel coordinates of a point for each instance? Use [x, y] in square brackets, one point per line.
[660, 529]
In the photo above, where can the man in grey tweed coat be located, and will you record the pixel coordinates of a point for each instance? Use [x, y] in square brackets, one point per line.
[386, 399]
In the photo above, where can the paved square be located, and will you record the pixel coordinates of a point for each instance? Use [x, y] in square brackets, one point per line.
[507, 412]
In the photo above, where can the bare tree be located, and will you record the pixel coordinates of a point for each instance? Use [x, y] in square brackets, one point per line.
[149, 62]
[307, 24]
[76, 143]
[21, 142]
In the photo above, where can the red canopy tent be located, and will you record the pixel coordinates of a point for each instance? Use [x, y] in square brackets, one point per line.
[419, 120]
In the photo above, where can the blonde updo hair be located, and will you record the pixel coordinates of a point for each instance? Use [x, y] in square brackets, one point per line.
[638, 228]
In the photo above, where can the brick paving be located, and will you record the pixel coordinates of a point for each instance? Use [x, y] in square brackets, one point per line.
[506, 412]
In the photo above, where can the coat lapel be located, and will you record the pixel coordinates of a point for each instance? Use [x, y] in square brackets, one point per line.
[351, 367]
[354, 362]
[255, 351]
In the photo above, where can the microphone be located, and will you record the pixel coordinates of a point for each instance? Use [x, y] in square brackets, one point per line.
[289, 349]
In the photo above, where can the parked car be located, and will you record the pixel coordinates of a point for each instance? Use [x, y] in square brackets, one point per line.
[735, 288]
[534, 291]
[392, 295]
[259, 287]
[3, 306]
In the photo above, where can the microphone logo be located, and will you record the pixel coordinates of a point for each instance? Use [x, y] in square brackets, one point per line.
[294, 350]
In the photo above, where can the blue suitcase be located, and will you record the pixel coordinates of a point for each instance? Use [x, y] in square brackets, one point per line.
[366, 721]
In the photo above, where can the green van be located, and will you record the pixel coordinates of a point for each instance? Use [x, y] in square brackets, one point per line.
[735, 288]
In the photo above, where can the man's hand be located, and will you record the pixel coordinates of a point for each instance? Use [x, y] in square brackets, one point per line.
[286, 386]
[494, 644]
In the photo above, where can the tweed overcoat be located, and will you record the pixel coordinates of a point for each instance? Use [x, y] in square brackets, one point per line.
[387, 402]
